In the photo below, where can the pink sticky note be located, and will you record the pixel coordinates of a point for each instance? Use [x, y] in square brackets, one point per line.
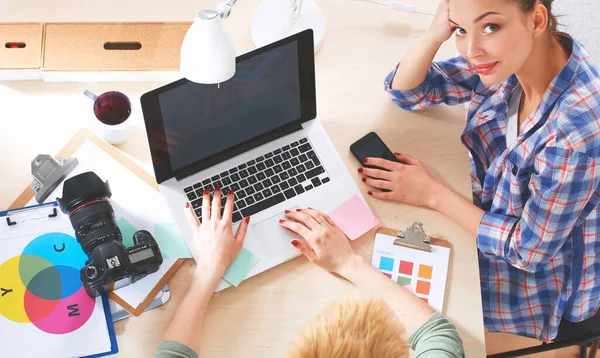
[354, 218]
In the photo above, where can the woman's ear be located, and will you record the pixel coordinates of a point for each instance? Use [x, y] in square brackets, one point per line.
[540, 20]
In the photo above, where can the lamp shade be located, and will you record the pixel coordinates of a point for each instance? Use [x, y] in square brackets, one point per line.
[207, 53]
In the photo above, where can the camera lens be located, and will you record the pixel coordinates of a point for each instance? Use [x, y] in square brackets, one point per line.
[85, 199]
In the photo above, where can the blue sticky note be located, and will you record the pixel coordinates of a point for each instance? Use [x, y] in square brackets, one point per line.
[386, 263]
[171, 243]
[127, 230]
[237, 271]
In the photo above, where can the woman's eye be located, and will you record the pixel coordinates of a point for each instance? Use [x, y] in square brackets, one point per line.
[459, 31]
[488, 29]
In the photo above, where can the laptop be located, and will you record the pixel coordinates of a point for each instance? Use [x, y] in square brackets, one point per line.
[256, 134]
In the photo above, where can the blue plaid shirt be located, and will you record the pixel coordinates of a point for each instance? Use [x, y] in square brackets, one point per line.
[539, 239]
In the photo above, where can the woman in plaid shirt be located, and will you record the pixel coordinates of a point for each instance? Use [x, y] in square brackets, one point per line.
[533, 133]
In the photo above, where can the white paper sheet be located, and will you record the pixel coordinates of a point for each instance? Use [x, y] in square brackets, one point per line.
[133, 199]
[44, 310]
[423, 273]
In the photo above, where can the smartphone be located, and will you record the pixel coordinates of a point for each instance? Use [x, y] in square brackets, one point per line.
[371, 146]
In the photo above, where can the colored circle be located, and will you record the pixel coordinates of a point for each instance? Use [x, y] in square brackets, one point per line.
[46, 284]
[38, 308]
[69, 314]
[70, 280]
[58, 248]
[12, 292]
[30, 266]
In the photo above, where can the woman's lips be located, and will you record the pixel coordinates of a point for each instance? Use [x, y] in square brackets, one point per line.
[486, 68]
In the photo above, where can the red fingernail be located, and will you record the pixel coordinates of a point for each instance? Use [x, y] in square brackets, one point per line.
[217, 189]
[187, 205]
[287, 211]
[298, 209]
[206, 191]
[360, 170]
[247, 219]
[397, 153]
[364, 161]
[295, 243]
[364, 180]
[370, 193]
[230, 192]
[281, 221]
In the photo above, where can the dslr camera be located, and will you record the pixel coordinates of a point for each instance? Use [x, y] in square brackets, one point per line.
[85, 200]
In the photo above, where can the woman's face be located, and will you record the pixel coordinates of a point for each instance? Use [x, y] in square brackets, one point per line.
[495, 36]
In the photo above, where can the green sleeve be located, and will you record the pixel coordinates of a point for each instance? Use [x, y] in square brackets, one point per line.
[172, 349]
[437, 338]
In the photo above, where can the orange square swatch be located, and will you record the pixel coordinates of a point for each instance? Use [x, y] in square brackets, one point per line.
[423, 287]
[425, 271]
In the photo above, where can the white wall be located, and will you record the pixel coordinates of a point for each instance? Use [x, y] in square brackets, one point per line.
[582, 21]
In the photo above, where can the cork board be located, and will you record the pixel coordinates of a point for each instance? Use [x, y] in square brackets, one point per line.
[28, 38]
[113, 46]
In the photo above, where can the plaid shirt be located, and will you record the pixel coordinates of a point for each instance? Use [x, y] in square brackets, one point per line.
[539, 237]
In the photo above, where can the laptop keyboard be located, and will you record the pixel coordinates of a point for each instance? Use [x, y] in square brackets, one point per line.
[264, 181]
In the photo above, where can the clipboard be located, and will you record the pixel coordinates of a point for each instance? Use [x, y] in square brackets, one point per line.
[415, 261]
[67, 151]
[56, 223]
[411, 238]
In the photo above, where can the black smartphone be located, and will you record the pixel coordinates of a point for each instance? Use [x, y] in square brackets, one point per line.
[371, 146]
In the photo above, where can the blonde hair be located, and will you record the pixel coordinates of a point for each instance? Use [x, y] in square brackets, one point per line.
[352, 328]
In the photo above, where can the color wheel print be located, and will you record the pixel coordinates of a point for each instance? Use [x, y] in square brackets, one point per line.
[42, 285]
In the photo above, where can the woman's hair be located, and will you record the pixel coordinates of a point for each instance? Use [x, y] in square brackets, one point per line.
[352, 328]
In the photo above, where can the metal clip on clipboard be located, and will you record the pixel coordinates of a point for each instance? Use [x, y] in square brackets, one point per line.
[13, 217]
[414, 237]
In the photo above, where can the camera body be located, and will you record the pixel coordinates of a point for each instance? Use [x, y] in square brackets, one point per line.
[86, 201]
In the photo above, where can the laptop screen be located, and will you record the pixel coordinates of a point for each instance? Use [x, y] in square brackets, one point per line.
[198, 121]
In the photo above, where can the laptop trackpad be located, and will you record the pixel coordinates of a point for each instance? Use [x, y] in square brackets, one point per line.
[273, 238]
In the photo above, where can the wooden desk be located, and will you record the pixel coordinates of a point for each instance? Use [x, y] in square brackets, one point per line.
[363, 43]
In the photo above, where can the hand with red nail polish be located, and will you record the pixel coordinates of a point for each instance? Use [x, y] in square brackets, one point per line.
[325, 244]
[215, 245]
[406, 182]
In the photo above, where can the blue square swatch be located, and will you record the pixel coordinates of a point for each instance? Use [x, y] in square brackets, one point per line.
[386, 263]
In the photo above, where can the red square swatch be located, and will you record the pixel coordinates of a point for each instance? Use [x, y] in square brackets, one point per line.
[405, 268]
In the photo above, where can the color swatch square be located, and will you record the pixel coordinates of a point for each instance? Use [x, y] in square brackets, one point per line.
[405, 268]
[425, 271]
[403, 281]
[423, 287]
[387, 274]
[386, 263]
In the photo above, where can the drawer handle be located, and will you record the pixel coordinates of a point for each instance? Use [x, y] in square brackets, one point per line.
[15, 45]
[122, 45]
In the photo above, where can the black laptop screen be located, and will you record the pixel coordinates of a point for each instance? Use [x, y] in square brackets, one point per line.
[192, 126]
[203, 120]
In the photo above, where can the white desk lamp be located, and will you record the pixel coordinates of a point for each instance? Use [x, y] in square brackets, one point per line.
[207, 53]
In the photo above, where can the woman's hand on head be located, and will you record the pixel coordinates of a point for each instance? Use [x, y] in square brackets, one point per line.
[215, 245]
[441, 29]
[324, 242]
[408, 181]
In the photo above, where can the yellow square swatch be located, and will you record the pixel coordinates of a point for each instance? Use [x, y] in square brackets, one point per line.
[425, 271]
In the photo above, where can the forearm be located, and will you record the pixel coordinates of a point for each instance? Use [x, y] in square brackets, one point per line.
[413, 68]
[186, 324]
[411, 311]
[445, 201]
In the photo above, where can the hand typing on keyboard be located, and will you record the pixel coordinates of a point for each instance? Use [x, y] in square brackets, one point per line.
[215, 245]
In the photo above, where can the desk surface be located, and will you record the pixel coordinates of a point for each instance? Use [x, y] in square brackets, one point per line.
[363, 42]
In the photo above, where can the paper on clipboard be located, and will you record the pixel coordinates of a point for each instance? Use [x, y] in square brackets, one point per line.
[43, 300]
[423, 273]
[133, 198]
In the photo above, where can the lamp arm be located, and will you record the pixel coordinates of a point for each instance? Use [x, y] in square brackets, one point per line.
[224, 8]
